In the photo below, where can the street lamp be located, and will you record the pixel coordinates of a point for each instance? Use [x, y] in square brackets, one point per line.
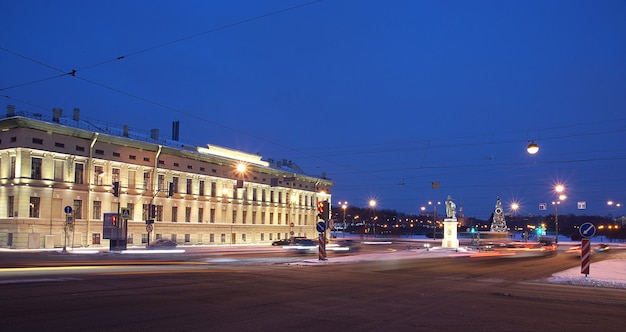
[532, 148]
[344, 206]
[373, 206]
[559, 189]
[434, 218]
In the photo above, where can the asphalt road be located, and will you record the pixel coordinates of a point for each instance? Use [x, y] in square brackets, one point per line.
[429, 294]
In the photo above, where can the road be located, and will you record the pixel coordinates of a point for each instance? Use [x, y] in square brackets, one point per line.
[235, 294]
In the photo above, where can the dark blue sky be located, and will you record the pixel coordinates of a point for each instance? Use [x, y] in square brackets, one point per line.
[385, 97]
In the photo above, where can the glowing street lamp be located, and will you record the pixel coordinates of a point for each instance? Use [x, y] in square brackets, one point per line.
[372, 205]
[559, 189]
[532, 148]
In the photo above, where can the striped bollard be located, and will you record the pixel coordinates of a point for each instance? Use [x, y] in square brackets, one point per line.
[584, 256]
[322, 247]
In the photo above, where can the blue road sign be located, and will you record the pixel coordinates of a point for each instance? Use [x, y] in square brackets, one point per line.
[321, 227]
[68, 209]
[587, 230]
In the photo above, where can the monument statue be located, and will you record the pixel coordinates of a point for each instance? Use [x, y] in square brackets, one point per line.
[450, 208]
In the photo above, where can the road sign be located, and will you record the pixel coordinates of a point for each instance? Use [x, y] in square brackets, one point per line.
[587, 230]
[68, 209]
[321, 227]
[291, 225]
[585, 249]
[70, 220]
[149, 228]
[125, 213]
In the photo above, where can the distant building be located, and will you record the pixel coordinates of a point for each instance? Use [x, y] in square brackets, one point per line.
[50, 163]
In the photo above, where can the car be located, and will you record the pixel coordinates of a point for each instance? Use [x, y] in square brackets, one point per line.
[602, 247]
[162, 244]
[282, 242]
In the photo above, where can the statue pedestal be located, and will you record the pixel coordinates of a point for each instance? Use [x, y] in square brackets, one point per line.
[450, 239]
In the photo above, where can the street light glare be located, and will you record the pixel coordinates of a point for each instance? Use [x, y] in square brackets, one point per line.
[241, 167]
[559, 188]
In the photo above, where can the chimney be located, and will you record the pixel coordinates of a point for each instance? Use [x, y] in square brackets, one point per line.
[56, 114]
[76, 114]
[175, 130]
[154, 134]
[125, 131]
[10, 110]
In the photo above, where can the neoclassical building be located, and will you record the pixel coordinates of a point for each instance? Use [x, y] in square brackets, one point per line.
[52, 164]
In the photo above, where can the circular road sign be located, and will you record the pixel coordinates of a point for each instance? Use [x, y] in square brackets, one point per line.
[149, 228]
[68, 209]
[587, 230]
[321, 227]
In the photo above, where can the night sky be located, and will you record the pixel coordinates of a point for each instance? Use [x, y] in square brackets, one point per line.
[383, 97]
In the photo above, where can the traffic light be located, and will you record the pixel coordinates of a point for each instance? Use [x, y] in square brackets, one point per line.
[114, 220]
[323, 209]
[116, 189]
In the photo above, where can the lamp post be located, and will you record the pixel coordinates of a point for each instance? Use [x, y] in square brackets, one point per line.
[344, 206]
[373, 206]
[559, 189]
[434, 218]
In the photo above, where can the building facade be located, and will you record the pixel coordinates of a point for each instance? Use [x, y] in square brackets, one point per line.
[52, 165]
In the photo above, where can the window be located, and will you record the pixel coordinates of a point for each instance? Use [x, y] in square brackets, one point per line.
[99, 151]
[173, 237]
[116, 154]
[263, 195]
[159, 213]
[223, 238]
[262, 236]
[272, 196]
[35, 168]
[212, 217]
[263, 217]
[174, 213]
[97, 210]
[37, 141]
[12, 168]
[59, 145]
[254, 194]
[234, 216]
[189, 186]
[146, 180]
[95, 238]
[243, 237]
[280, 216]
[144, 238]
[132, 157]
[188, 214]
[201, 188]
[131, 210]
[79, 173]
[115, 172]
[211, 238]
[280, 197]
[58, 170]
[98, 175]
[10, 207]
[187, 238]
[271, 218]
[80, 148]
[200, 214]
[78, 209]
[213, 189]
[244, 214]
[34, 207]
[175, 184]
[254, 217]
[131, 178]
[161, 182]
[176, 165]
